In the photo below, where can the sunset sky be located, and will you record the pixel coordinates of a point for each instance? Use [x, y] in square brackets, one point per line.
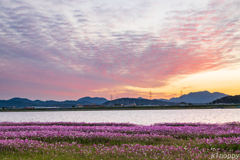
[68, 49]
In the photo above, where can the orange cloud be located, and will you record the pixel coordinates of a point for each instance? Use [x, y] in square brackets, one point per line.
[62, 56]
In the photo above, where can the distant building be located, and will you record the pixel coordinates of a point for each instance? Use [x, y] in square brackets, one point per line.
[29, 107]
[117, 105]
[93, 105]
[133, 104]
[184, 104]
[79, 105]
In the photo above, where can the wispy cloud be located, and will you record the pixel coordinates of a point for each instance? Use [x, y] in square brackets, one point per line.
[87, 46]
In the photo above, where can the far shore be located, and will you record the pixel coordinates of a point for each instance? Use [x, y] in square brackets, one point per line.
[123, 108]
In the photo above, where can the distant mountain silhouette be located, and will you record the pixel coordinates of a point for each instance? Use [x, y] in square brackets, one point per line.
[95, 100]
[193, 97]
[137, 101]
[20, 99]
[23, 102]
[198, 97]
[165, 100]
[228, 99]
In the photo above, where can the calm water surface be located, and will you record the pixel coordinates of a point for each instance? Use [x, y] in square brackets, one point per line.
[144, 117]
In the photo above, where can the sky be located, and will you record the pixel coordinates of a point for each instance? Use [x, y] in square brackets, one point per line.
[68, 49]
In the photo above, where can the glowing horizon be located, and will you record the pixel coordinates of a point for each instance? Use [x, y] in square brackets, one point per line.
[71, 49]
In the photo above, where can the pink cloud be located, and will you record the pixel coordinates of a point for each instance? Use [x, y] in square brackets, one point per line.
[51, 51]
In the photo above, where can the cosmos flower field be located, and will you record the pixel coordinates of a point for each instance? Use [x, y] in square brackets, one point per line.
[67, 140]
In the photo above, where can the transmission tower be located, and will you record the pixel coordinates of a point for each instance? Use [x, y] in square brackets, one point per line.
[181, 95]
[150, 94]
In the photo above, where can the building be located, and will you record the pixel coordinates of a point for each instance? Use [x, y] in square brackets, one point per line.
[93, 105]
[184, 104]
[79, 105]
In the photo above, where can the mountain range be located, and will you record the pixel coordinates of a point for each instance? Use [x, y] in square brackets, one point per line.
[197, 97]
[137, 101]
[23, 102]
[193, 97]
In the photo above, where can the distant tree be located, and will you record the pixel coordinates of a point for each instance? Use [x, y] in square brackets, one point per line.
[73, 106]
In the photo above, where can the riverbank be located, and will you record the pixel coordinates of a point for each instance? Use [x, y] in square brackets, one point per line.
[123, 108]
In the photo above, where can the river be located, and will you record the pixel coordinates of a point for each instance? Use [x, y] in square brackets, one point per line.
[144, 117]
